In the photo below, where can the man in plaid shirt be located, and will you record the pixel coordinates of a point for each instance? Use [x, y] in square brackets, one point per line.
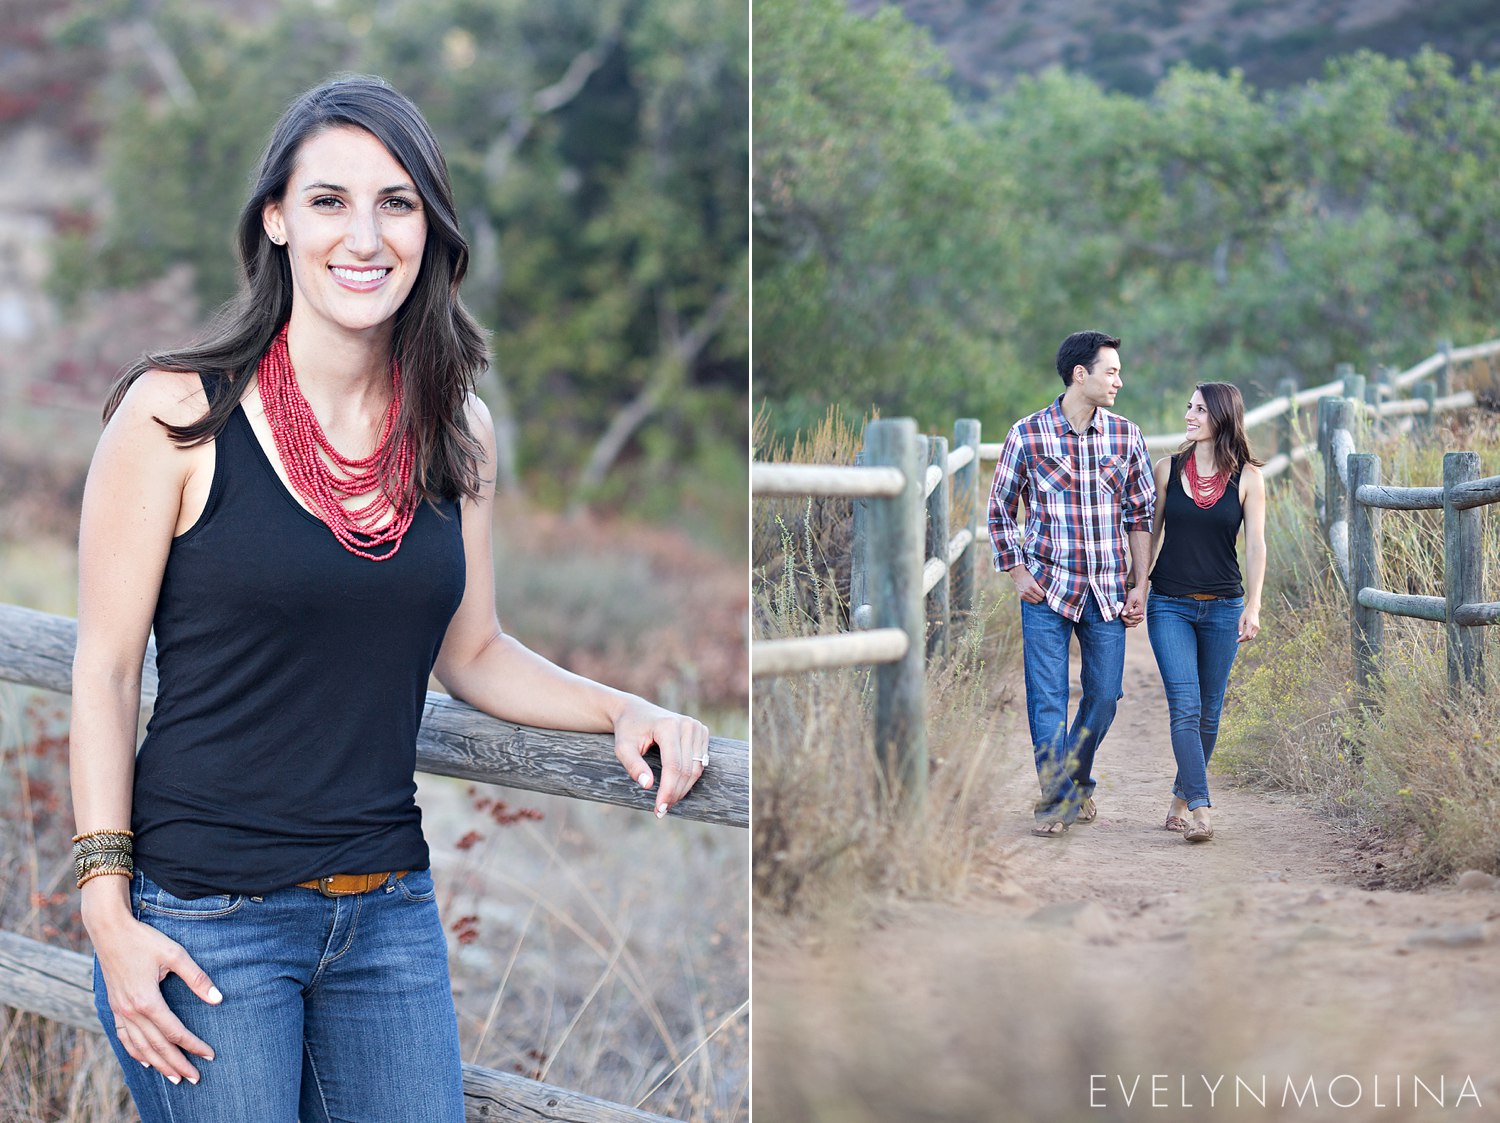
[1085, 477]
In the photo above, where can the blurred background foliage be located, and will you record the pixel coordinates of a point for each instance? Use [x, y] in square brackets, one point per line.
[598, 150]
[922, 252]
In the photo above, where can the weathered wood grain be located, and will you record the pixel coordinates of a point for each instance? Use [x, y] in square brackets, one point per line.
[1400, 498]
[1367, 626]
[896, 534]
[58, 984]
[36, 649]
[1405, 604]
[1463, 571]
[458, 740]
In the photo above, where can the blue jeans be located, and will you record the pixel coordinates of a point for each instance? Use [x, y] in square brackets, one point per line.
[334, 1008]
[1195, 642]
[1065, 757]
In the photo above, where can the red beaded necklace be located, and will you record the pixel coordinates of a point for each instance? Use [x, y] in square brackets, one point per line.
[1204, 492]
[324, 477]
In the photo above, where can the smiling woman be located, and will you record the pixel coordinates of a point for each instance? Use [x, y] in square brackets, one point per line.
[300, 509]
[355, 246]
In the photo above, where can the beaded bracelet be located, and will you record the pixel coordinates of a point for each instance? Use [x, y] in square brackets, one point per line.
[96, 853]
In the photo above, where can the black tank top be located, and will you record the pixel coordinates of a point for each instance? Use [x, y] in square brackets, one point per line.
[292, 679]
[1197, 552]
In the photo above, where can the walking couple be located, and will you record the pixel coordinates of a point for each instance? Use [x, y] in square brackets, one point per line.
[1089, 490]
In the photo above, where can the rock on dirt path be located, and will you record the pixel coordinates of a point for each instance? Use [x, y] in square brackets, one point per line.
[1119, 972]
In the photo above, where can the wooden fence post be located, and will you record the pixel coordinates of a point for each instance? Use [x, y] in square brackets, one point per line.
[894, 574]
[968, 504]
[1325, 415]
[937, 547]
[859, 552]
[1427, 392]
[1445, 372]
[1354, 386]
[1463, 572]
[1341, 414]
[1286, 429]
[1368, 625]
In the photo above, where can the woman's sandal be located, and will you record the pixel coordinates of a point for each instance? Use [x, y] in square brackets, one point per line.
[1051, 828]
[1176, 823]
[1088, 811]
[1199, 832]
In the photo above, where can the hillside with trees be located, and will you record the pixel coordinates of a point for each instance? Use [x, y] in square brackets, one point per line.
[919, 254]
[1130, 45]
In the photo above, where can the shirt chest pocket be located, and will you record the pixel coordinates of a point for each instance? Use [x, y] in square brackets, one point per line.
[1053, 474]
[1112, 474]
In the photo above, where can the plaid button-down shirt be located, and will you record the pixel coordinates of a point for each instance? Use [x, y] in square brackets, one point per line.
[1084, 492]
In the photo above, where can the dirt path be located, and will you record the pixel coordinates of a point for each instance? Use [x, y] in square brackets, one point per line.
[1119, 971]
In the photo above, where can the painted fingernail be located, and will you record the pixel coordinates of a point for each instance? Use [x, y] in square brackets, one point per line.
[145, 1064]
[214, 995]
[175, 1079]
[644, 779]
[192, 1080]
[661, 809]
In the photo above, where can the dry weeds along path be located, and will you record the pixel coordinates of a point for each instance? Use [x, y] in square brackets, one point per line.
[1119, 972]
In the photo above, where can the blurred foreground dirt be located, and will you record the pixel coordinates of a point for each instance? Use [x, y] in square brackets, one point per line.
[1118, 972]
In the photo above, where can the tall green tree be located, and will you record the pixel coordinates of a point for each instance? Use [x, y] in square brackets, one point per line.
[877, 220]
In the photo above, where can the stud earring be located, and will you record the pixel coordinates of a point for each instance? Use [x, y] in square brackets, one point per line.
[275, 238]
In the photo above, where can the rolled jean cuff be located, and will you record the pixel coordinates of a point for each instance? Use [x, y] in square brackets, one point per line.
[1194, 804]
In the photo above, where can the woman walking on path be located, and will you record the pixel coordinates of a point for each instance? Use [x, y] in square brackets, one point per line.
[1200, 611]
[300, 506]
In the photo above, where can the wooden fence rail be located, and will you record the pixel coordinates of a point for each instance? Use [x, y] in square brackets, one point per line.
[1461, 609]
[36, 649]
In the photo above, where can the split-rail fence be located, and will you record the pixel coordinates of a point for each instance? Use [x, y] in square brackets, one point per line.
[919, 525]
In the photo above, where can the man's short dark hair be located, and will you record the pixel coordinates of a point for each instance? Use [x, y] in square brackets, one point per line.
[1081, 349]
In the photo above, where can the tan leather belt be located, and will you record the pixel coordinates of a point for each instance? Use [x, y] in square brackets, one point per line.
[1204, 596]
[350, 884]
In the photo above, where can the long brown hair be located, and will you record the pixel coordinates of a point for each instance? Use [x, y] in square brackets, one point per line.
[1226, 410]
[440, 347]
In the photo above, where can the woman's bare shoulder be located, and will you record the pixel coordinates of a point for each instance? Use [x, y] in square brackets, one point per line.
[173, 397]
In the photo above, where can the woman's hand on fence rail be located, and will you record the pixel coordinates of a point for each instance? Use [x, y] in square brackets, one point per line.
[134, 959]
[682, 742]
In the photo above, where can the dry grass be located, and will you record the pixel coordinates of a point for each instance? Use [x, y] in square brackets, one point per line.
[1420, 768]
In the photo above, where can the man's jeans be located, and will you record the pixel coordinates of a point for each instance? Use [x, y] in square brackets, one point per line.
[1065, 757]
[1195, 643]
[334, 1008]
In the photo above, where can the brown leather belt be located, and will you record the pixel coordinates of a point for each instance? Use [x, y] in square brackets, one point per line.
[350, 884]
[1204, 596]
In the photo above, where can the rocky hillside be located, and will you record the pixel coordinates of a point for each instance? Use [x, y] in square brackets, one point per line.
[1128, 45]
